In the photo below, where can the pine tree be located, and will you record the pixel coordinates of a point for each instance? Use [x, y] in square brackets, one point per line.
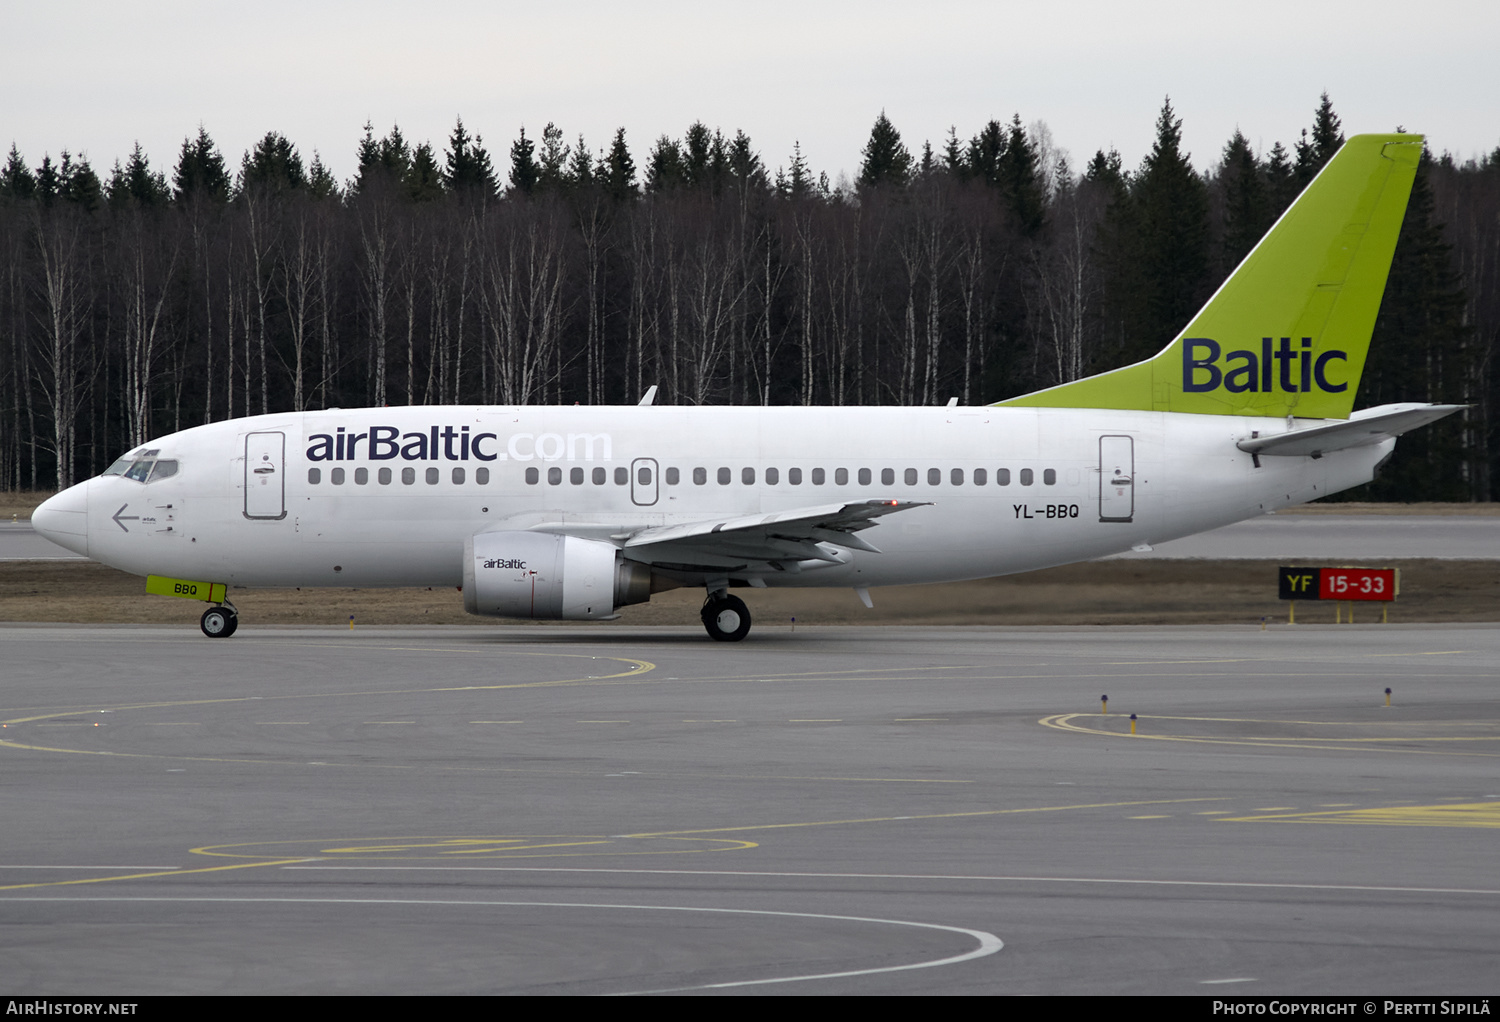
[48, 181]
[320, 181]
[424, 181]
[745, 166]
[1281, 180]
[885, 159]
[953, 155]
[664, 169]
[274, 164]
[467, 169]
[986, 150]
[1019, 181]
[581, 169]
[1327, 133]
[1171, 204]
[798, 182]
[79, 184]
[1421, 351]
[524, 172]
[201, 170]
[137, 183]
[1315, 150]
[554, 160]
[16, 180]
[1247, 207]
[619, 170]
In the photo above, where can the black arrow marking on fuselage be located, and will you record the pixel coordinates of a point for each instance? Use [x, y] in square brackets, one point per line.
[120, 519]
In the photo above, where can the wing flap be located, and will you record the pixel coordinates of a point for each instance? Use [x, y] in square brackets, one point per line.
[777, 538]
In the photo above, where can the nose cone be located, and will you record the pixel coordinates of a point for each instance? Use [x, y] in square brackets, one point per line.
[64, 519]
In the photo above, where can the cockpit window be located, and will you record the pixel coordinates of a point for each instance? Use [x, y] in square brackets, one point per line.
[143, 467]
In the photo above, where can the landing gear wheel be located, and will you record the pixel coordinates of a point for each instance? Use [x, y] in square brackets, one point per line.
[219, 622]
[726, 618]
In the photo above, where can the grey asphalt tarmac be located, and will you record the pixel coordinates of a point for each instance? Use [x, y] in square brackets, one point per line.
[831, 811]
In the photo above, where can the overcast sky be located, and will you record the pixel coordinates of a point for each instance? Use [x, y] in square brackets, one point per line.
[95, 77]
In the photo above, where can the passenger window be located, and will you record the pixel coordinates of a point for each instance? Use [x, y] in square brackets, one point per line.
[911, 477]
[747, 476]
[957, 475]
[1049, 476]
[934, 476]
[314, 476]
[533, 476]
[773, 476]
[818, 477]
[700, 476]
[432, 476]
[408, 476]
[600, 476]
[673, 477]
[794, 476]
[361, 476]
[575, 476]
[724, 476]
[980, 477]
[1026, 477]
[864, 477]
[642, 475]
[841, 477]
[336, 477]
[1002, 477]
[887, 477]
[554, 476]
[482, 476]
[458, 477]
[384, 475]
[622, 477]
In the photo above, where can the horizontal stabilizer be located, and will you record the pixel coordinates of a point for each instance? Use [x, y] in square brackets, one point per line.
[1364, 428]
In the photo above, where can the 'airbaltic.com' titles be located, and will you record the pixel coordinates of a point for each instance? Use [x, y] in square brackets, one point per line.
[574, 512]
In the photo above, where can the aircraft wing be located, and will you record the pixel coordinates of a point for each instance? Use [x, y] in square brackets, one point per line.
[1370, 426]
[780, 539]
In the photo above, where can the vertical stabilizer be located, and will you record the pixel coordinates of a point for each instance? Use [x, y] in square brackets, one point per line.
[1288, 332]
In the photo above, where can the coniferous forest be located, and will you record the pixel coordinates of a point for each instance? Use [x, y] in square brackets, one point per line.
[140, 301]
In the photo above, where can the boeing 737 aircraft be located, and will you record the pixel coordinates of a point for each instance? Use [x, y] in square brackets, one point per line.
[574, 512]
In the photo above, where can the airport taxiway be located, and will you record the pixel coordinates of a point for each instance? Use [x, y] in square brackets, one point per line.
[860, 810]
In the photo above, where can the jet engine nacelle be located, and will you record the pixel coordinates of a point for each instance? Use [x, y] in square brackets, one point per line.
[542, 576]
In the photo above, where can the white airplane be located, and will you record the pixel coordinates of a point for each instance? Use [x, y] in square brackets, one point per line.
[574, 512]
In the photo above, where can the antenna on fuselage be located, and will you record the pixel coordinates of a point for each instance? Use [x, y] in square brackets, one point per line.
[650, 398]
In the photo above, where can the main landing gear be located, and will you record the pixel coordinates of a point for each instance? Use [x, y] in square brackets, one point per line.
[726, 617]
[219, 622]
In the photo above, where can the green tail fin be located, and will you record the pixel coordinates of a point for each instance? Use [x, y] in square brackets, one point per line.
[1288, 332]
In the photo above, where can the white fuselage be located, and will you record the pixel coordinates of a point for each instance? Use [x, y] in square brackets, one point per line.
[1010, 489]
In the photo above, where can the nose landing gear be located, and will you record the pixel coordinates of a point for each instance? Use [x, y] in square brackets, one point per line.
[219, 622]
[726, 618]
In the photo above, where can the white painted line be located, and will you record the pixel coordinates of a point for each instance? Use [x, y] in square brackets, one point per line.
[988, 943]
[1247, 884]
[1237, 979]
